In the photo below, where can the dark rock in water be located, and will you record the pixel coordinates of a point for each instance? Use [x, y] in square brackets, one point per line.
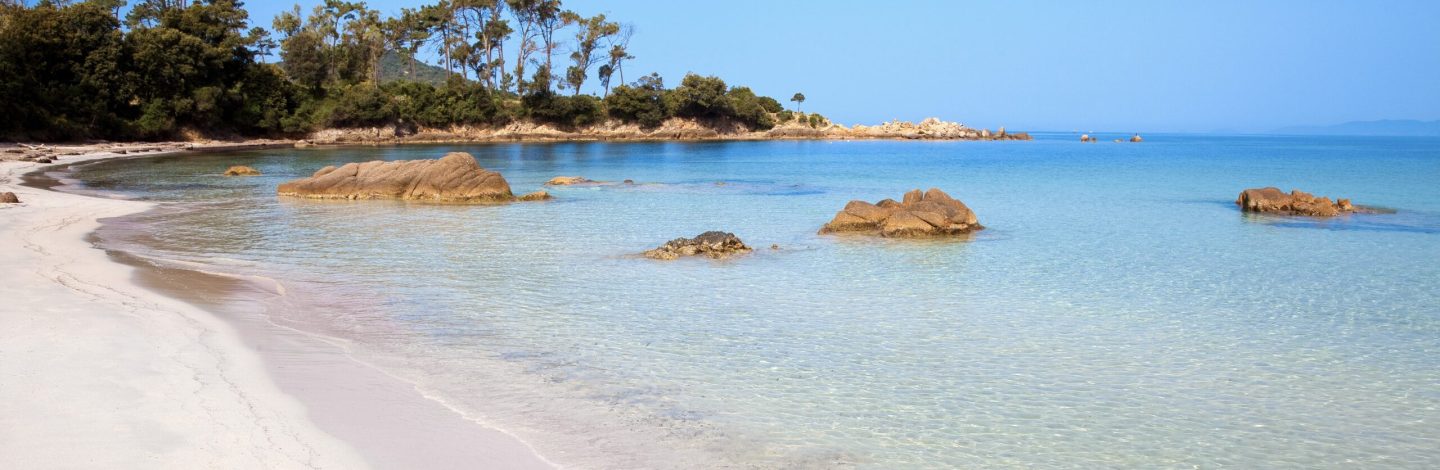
[712, 244]
[1274, 201]
[1136, 138]
[536, 196]
[241, 170]
[43, 160]
[9, 198]
[454, 178]
[929, 214]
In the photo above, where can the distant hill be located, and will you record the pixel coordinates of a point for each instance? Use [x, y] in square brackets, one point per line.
[1388, 127]
[394, 66]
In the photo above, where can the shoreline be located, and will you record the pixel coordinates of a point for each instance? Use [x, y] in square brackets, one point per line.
[200, 376]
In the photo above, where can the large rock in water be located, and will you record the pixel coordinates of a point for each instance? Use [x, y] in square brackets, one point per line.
[713, 244]
[929, 214]
[1273, 200]
[456, 177]
[241, 170]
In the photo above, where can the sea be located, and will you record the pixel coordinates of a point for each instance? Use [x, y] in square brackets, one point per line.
[1118, 310]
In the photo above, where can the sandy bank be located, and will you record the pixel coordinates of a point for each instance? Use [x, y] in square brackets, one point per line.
[98, 369]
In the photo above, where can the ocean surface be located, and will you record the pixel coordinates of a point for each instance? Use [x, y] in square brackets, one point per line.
[1118, 311]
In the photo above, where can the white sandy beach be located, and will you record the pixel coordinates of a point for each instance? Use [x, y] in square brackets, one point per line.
[97, 371]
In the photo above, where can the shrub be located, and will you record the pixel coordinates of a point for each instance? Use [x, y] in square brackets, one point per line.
[360, 105]
[747, 108]
[547, 107]
[640, 104]
[817, 120]
[699, 97]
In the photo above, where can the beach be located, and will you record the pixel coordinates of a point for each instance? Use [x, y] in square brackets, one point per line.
[99, 369]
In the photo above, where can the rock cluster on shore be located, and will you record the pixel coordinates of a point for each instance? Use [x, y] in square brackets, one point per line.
[456, 177]
[241, 170]
[712, 244]
[569, 181]
[9, 198]
[1274, 201]
[928, 214]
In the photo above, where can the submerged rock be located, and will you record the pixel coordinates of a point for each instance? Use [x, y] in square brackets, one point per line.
[9, 198]
[712, 244]
[456, 177]
[928, 214]
[536, 196]
[568, 180]
[241, 170]
[1274, 201]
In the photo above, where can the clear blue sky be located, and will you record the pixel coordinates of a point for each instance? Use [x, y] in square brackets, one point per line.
[1142, 66]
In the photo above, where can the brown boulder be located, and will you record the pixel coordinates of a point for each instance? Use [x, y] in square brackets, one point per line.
[1136, 138]
[536, 196]
[241, 170]
[9, 198]
[712, 244]
[1274, 201]
[922, 214]
[456, 177]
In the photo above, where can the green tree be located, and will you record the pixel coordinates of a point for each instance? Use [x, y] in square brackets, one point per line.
[699, 97]
[641, 102]
[799, 99]
[588, 36]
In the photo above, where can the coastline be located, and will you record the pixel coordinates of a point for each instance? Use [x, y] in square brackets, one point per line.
[111, 360]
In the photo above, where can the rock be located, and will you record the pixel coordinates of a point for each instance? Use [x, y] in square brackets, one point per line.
[1136, 138]
[1084, 137]
[1274, 201]
[919, 214]
[9, 198]
[712, 244]
[629, 181]
[456, 177]
[241, 170]
[536, 196]
[43, 160]
[567, 180]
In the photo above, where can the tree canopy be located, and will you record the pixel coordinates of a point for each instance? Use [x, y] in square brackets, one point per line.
[73, 70]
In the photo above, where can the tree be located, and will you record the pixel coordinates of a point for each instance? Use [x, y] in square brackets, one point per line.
[699, 97]
[588, 35]
[619, 43]
[641, 102]
[799, 99]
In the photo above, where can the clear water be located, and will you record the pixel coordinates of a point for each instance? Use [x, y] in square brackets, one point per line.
[1119, 310]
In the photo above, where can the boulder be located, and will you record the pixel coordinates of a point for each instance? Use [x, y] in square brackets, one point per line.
[456, 177]
[712, 244]
[9, 198]
[1274, 201]
[241, 170]
[919, 214]
[567, 180]
[536, 196]
[1136, 138]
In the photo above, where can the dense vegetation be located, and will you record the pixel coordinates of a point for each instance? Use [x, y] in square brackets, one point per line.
[74, 70]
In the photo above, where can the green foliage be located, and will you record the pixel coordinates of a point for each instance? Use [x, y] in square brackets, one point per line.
[68, 70]
[698, 97]
[749, 109]
[548, 107]
[642, 103]
[785, 116]
[817, 120]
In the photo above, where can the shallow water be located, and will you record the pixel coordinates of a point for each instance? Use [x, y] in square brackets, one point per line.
[1118, 311]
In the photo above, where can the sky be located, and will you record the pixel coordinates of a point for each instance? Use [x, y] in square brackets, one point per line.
[1121, 66]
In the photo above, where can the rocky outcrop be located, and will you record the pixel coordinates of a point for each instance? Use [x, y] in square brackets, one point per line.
[1088, 138]
[931, 128]
[929, 214]
[456, 177]
[536, 196]
[712, 244]
[1136, 138]
[9, 198]
[569, 181]
[1274, 201]
[241, 170]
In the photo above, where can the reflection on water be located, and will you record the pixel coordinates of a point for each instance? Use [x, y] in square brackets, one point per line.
[1105, 318]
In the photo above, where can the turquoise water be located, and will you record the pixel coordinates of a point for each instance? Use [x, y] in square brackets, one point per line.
[1118, 311]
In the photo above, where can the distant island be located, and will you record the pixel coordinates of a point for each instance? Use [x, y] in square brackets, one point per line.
[1386, 127]
[349, 73]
